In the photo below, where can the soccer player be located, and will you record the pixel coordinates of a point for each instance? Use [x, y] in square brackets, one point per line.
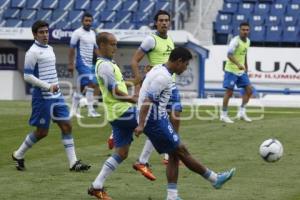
[84, 41]
[120, 111]
[157, 47]
[47, 100]
[154, 121]
[236, 73]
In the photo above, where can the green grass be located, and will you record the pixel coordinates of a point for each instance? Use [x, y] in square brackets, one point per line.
[217, 145]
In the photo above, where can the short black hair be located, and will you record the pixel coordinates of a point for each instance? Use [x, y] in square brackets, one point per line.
[180, 53]
[38, 24]
[161, 12]
[102, 38]
[244, 24]
[86, 14]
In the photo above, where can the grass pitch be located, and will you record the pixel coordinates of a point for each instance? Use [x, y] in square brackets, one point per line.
[217, 145]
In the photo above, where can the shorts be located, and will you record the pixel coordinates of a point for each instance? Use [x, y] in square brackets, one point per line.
[162, 135]
[174, 102]
[43, 110]
[123, 127]
[230, 80]
[86, 75]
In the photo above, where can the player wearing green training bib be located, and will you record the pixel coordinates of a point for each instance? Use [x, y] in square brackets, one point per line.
[236, 73]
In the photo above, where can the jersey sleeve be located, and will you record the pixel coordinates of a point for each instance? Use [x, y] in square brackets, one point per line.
[106, 73]
[157, 86]
[74, 39]
[148, 44]
[232, 46]
[30, 62]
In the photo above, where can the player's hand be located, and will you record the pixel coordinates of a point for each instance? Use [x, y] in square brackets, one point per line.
[71, 68]
[138, 130]
[54, 88]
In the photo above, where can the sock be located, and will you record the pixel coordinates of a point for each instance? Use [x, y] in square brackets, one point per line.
[166, 156]
[146, 153]
[90, 98]
[68, 142]
[242, 109]
[210, 176]
[29, 141]
[224, 111]
[109, 166]
[172, 192]
[75, 101]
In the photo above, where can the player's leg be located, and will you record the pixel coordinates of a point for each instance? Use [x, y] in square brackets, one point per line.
[228, 84]
[244, 82]
[172, 172]
[75, 110]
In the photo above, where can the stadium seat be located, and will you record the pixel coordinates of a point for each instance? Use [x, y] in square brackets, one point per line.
[75, 15]
[146, 6]
[4, 4]
[130, 5]
[98, 5]
[232, 1]
[12, 13]
[262, 8]
[277, 9]
[273, 34]
[44, 15]
[17, 3]
[286, 2]
[127, 26]
[257, 20]
[50, 4]
[250, 1]
[163, 5]
[114, 5]
[257, 33]
[124, 16]
[111, 25]
[143, 18]
[293, 9]
[224, 18]
[108, 16]
[230, 7]
[63, 25]
[94, 13]
[295, 1]
[34, 4]
[28, 14]
[27, 23]
[76, 24]
[290, 34]
[246, 8]
[235, 30]
[222, 28]
[238, 19]
[13, 23]
[82, 4]
[266, 1]
[272, 20]
[289, 20]
[65, 4]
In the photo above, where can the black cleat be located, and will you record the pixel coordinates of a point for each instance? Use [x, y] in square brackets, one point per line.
[80, 166]
[19, 163]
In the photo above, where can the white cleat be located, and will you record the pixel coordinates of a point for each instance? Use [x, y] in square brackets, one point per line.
[243, 116]
[226, 119]
[76, 114]
[94, 114]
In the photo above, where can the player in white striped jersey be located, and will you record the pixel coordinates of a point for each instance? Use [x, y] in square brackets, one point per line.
[47, 100]
[83, 40]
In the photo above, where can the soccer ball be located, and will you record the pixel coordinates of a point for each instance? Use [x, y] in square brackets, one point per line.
[271, 150]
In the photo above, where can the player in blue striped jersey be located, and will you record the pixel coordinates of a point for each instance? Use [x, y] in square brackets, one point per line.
[47, 101]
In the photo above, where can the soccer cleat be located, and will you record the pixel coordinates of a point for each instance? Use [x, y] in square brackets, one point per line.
[177, 198]
[20, 165]
[222, 178]
[110, 142]
[80, 166]
[226, 119]
[243, 116]
[98, 193]
[76, 114]
[94, 114]
[145, 170]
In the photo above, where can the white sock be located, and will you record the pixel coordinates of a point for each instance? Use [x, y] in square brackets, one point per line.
[146, 153]
[224, 113]
[90, 98]
[68, 142]
[166, 156]
[29, 141]
[172, 192]
[210, 176]
[75, 101]
[109, 166]
[242, 109]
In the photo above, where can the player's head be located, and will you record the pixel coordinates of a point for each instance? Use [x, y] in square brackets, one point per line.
[244, 29]
[87, 20]
[162, 21]
[40, 31]
[107, 44]
[179, 59]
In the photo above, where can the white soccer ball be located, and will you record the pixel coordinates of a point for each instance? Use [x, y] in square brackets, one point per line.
[271, 150]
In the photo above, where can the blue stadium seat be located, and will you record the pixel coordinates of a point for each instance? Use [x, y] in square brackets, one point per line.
[143, 18]
[27, 23]
[65, 4]
[289, 20]
[224, 29]
[28, 14]
[221, 33]
[290, 34]
[50, 4]
[34, 4]
[44, 15]
[4, 4]
[257, 33]
[59, 15]
[82, 4]
[12, 13]
[295, 1]
[232, 1]
[257, 20]
[286, 2]
[163, 5]
[63, 25]
[127, 26]
[75, 15]
[273, 34]
[262, 8]
[246, 8]
[13, 23]
[114, 5]
[277, 9]
[266, 1]
[250, 1]
[94, 13]
[130, 5]
[272, 20]
[293, 9]
[239, 18]
[124, 16]
[98, 5]
[111, 25]
[76, 25]
[100, 25]
[224, 18]
[230, 7]
[108, 16]
[146, 6]
[17, 3]
[235, 30]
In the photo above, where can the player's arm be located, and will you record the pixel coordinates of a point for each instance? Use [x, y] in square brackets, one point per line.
[142, 116]
[246, 63]
[232, 47]
[136, 59]
[71, 53]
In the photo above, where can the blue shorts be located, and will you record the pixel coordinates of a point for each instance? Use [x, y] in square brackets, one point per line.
[86, 75]
[230, 80]
[174, 102]
[43, 110]
[123, 127]
[162, 135]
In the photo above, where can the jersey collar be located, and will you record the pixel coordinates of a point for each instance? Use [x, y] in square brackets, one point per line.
[171, 73]
[39, 44]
